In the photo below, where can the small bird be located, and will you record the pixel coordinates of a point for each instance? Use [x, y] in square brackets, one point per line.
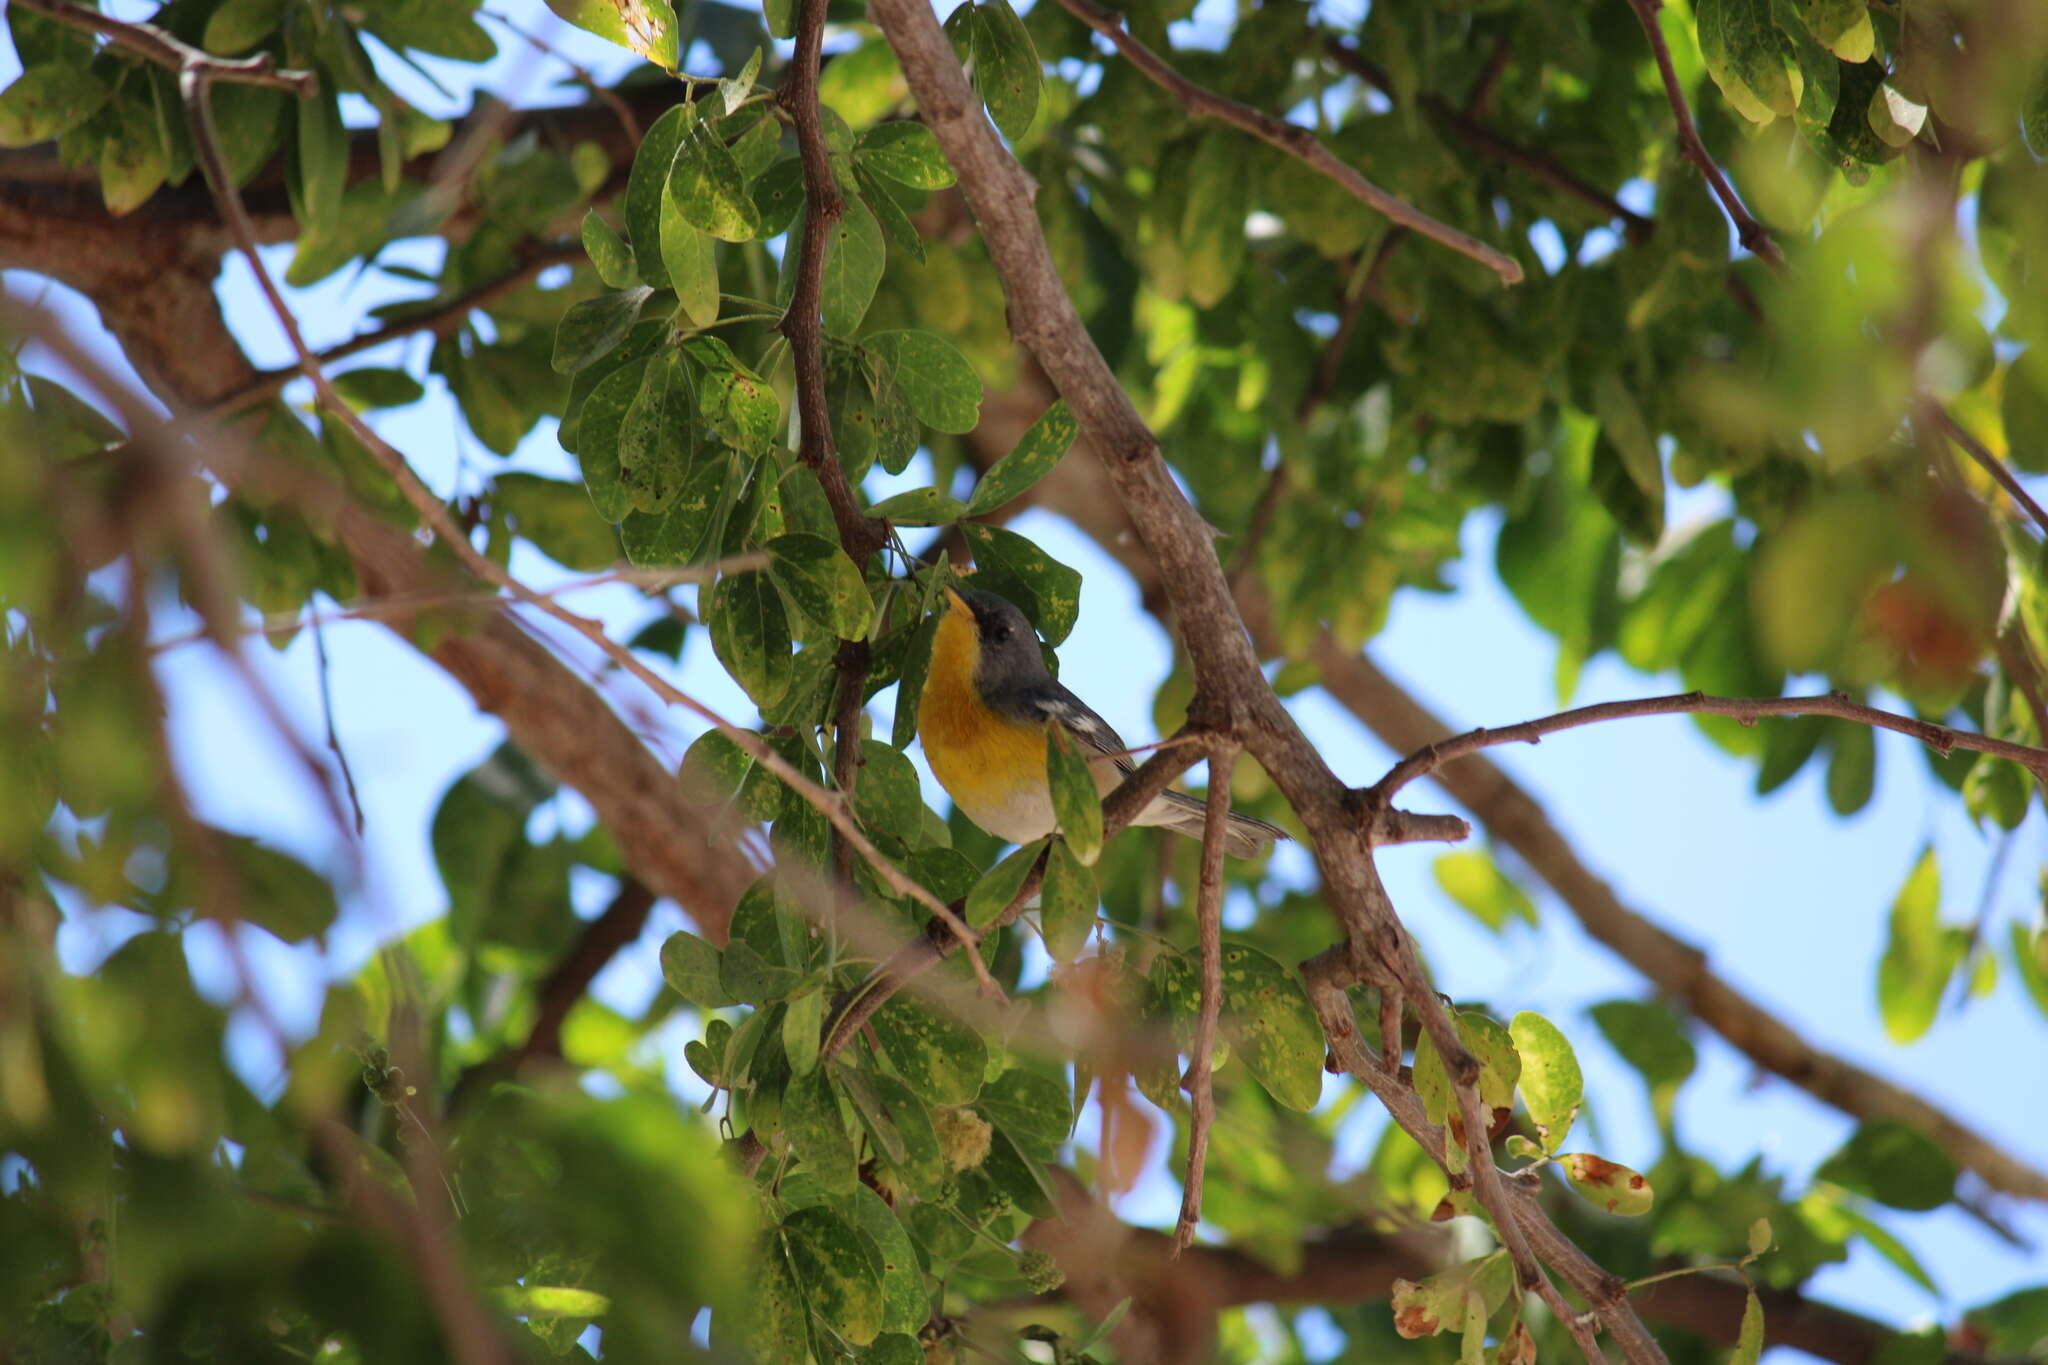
[987, 701]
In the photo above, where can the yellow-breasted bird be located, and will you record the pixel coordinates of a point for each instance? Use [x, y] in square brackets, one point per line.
[987, 701]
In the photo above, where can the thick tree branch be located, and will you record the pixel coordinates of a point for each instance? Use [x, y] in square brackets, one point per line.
[1296, 141]
[1232, 695]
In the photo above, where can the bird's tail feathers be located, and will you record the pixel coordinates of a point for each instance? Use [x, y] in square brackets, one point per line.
[1243, 836]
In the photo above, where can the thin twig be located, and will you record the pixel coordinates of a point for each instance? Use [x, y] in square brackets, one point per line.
[1753, 235]
[154, 44]
[859, 534]
[1991, 465]
[1199, 1081]
[1296, 141]
[1747, 710]
[348, 775]
[284, 623]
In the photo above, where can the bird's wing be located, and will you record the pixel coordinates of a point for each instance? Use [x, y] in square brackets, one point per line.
[1055, 704]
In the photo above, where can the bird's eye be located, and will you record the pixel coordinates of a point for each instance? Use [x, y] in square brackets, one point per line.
[999, 633]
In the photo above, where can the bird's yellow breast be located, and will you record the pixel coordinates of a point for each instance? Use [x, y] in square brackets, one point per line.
[992, 766]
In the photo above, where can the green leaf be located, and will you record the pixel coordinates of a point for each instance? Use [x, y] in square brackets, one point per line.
[917, 660]
[647, 188]
[895, 223]
[750, 634]
[46, 102]
[280, 893]
[939, 1058]
[1472, 879]
[1740, 44]
[608, 253]
[556, 517]
[690, 257]
[1843, 27]
[1266, 1018]
[906, 152]
[1749, 1340]
[1606, 1184]
[1852, 768]
[1046, 590]
[376, 386]
[922, 1166]
[1075, 802]
[1007, 74]
[2012, 1327]
[715, 768]
[942, 387]
[2023, 404]
[1919, 956]
[2030, 957]
[1649, 1038]
[680, 532]
[1018, 1174]
[812, 1122]
[690, 966]
[646, 28]
[840, 1271]
[920, 507]
[591, 328]
[131, 160]
[1211, 229]
[706, 188]
[822, 582]
[775, 1319]
[239, 25]
[854, 260]
[1034, 456]
[322, 160]
[781, 17]
[1893, 1163]
[778, 194]
[801, 1025]
[659, 433]
[1551, 1084]
[887, 793]
[1883, 1243]
[1067, 903]
[906, 1307]
[1000, 885]
[1029, 1104]
[597, 439]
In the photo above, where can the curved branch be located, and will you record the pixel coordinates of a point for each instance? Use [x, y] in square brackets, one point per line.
[1747, 710]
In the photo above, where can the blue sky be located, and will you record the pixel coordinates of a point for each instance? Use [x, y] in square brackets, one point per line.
[1788, 900]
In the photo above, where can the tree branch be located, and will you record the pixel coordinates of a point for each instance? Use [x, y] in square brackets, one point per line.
[1747, 710]
[1294, 140]
[1198, 1081]
[1232, 695]
[154, 44]
[859, 534]
[1754, 236]
[1991, 465]
[1466, 124]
